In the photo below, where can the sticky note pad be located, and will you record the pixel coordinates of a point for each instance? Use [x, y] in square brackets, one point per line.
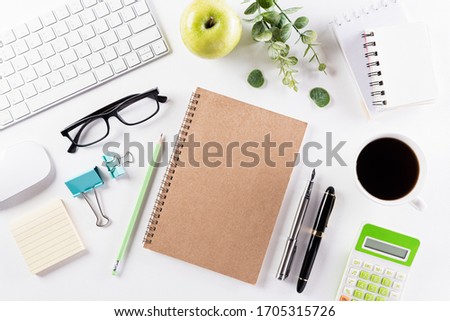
[46, 237]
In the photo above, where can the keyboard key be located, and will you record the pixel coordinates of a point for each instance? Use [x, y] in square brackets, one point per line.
[61, 12]
[29, 91]
[372, 288]
[383, 291]
[394, 295]
[109, 54]
[4, 103]
[123, 48]
[60, 45]
[6, 69]
[87, 32]
[364, 275]
[378, 269]
[123, 32]
[48, 19]
[47, 35]
[7, 37]
[15, 97]
[42, 68]
[114, 5]
[74, 23]
[21, 31]
[127, 14]
[19, 110]
[5, 117]
[7, 53]
[400, 276]
[344, 298]
[110, 38]
[46, 51]
[35, 25]
[145, 53]
[361, 284]
[68, 72]
[389, 273]
[103, 72]
[55, 62]
[82, 66]
[375, 278]
[128, 2]
[353, 272]
[83, 50]
[369, 297]
[55, 79]
[100, 26]
[75, 6]
[69, 56]
[386, 282]
[96, 44]
[351, 281]
[20, 46]
[159, 47]
[118, 65]
[34, 40]
[19, 63]
[61, 28]
[379, 298]
[29, 75]
[145, 37]
[141, 8]
[88, 16]
[33, 57]
[62, 91]
[89, 3]
[142, 23]
[132, 59]
[42, 85]
[16, 81]
[347, 291]
[4, 87]
[368, 266]
[397, 286]
[101, 10]
[73, 38]
[96, 60]
[358, 294]
[114, 20]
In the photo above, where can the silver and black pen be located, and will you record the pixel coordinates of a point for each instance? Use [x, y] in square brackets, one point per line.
[291, 243]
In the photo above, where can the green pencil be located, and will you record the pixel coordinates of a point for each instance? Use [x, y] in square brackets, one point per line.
[139, 204]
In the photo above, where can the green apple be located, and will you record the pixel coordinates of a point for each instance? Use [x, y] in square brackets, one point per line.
[210, 28]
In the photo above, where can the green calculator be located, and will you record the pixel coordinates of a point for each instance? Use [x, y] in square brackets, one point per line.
[378, 266]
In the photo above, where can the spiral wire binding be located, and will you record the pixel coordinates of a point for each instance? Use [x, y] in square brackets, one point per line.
[349, 17]
[376, 84]
[171, 168]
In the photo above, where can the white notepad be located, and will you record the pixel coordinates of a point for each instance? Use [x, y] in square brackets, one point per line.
[401, 73]
[46, 237]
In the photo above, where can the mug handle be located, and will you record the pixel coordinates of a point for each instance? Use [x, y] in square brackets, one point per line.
[418, 204]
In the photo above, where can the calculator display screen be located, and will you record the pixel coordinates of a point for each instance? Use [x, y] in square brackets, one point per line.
[385, 248]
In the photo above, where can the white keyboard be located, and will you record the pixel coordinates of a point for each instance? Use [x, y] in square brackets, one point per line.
[71, 49]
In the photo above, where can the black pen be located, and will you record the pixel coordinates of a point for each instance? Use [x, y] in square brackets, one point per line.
[323, 215]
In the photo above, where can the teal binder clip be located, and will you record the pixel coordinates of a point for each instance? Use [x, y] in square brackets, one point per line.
[115, 163]
[83, 184]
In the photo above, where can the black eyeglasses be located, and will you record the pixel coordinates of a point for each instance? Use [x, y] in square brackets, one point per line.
[131, 110]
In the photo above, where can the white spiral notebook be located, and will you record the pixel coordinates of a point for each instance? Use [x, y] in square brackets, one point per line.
[389, 57]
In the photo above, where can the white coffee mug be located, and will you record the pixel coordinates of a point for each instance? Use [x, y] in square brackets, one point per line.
[413, 196]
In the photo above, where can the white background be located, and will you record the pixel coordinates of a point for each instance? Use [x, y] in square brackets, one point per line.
[151, 276]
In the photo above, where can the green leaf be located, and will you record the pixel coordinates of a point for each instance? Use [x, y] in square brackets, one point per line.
[276, 34]
[284, 20]
[272, 17]
[257, 29]
[266, 4]
[255, 78]
[273, 53]
[286, 32]
[309, 36]
[285, 51]
[278, 45]
[306, 51]
[265, 36]
[320, 97]
[312, 58]
[292, 10]
[252, 8]
[322, 67]
[301, 22]
[292, 60]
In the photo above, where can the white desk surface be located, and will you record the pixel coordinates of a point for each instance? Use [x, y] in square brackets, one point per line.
[151, 276]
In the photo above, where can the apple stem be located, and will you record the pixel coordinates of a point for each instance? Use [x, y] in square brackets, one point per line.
[210, 23]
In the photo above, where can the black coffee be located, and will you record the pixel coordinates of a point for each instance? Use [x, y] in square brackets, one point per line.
[387, 168]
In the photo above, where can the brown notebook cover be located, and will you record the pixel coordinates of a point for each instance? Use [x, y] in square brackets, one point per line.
[219, 213]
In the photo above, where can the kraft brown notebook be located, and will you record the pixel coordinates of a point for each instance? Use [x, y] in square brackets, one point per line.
[224, 186]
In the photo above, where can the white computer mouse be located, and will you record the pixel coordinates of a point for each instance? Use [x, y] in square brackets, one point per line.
[22, 166]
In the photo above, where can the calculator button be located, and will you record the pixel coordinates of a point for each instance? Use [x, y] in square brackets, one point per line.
[397, 286]
[375, 278]
[386, 282]
[369, 297]
[344, 298]
[378, 269]
[372, 288]
[347, 291]
[361, 284]
[364, 275]
[400, 276]
[368, 266]
[351, 282]
[394, 295]
[389, 272]
[379, 298]
[383, 291]
[353, 272]
[358, 294]
[356, 262]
